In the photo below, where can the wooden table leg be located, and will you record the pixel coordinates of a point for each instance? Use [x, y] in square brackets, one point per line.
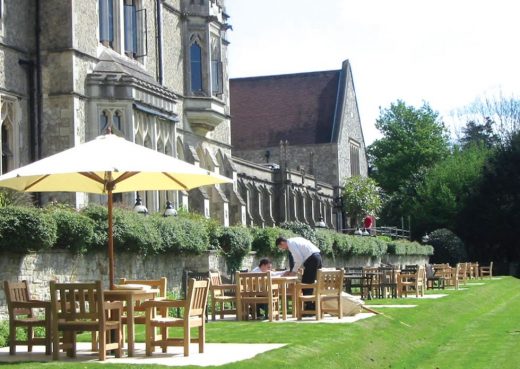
[284, 300]
[130, 329]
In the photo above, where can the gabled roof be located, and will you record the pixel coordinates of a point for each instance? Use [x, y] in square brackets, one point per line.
[299, 108]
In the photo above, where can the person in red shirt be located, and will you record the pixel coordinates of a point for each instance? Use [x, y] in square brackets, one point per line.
[367, 223]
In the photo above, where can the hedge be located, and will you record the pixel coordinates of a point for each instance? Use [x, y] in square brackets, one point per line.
[182, 235]
[25, 229]
[235, 242]
[75, 231]
[264, 240]
[402, 247]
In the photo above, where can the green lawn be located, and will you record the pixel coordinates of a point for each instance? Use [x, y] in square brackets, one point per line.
[474, 328]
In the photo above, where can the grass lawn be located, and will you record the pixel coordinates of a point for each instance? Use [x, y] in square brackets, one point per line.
[478, 327]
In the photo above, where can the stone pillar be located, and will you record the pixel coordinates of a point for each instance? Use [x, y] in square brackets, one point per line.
[268, 207]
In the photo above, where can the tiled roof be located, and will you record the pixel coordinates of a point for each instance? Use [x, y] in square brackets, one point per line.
[294, 107]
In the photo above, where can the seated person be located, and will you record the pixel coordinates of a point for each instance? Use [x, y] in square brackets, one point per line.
[264, 265]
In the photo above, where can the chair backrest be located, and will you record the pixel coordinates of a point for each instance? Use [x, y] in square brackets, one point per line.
[17, 292]
[159, 284]
[77, 301]
[190, 274]
[197, 298]
[330, 282]
[387, 275]
[215, 280]
[253, 284]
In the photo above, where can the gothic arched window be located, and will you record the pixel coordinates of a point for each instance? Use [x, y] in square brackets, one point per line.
[196, 67]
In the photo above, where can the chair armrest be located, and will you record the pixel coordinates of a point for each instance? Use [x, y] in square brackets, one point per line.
[163, 303]
[31, 304]
[223, 287]
[113, 305]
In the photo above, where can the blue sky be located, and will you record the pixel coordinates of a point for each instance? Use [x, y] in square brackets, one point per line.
[447, 53]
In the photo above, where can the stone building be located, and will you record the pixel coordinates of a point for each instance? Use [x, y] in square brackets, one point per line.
[309, 124]
[155, 72]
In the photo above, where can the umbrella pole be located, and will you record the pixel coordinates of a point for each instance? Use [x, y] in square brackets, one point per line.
[110, 240]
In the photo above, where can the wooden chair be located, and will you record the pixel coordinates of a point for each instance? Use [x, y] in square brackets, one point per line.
[387, 282]
[158, 284]
[256, 288]
[221, 294]
[21, 314]
[78, 307]
[194, 315]
[414, 281]
[326, 295]
[486, 271]
[462, 273]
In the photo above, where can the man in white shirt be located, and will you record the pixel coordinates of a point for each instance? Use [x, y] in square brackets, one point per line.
[305, 254]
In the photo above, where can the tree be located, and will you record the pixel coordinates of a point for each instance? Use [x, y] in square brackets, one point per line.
[490, 221]
[503, 111]
[413, 138]
[478, 134]
[361, 196]
[444, 190]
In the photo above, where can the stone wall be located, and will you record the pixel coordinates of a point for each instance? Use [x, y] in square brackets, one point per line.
[39, 268]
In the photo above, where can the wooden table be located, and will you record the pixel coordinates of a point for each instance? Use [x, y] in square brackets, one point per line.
[130, 297]
[284, 282]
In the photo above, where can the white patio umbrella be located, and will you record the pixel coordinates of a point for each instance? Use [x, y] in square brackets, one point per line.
[106, 165]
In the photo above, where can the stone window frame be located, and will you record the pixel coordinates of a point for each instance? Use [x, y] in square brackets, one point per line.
[216, 66]
[10, 117]
[355, 165]
[110, 112]
[119, 34]
[196, 40]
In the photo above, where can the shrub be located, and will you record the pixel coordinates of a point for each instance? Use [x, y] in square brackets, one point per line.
[301, 229]
[264, 240]
[182, 235]
[368, 246]
[341, 245]
[235, 243]
[136, 233]
[26, 229]
[75, 231]
[403, 247]
[447, 247]
[325, 241]
[99, 215]
[4, 333]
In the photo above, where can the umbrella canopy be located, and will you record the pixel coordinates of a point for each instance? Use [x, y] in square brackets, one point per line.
[108, 160]
[109, 164]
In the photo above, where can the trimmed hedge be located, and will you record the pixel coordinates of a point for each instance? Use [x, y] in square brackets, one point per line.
[409, 248]
[264, 240]
[25, 229]
[181, 235]
[235, 242]
[75, 231]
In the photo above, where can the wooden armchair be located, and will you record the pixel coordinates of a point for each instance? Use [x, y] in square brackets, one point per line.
[486, 271]
[21, 314]
[194, 316]
[326, 295]
[78, 307]
[256, 288]
[221, 294]
[411, 281]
